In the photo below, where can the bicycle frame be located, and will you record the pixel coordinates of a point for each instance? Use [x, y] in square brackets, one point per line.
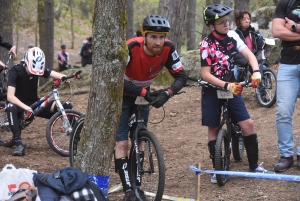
[49, 98]
[138, 119]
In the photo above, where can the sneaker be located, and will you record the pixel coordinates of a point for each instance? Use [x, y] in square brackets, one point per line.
[213, 179]
[19, 150]
[260, 169]
[283, 164]
[140, 195]
[129, 196]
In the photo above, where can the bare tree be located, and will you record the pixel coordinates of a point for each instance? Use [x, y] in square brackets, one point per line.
[175, 12]
[47, 40]
[105, 99]
[229, 3]
[130, 17]
[6, 27]
[242, 5]
[191, 25]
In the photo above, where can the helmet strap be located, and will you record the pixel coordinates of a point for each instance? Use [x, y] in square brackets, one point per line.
[220, 33]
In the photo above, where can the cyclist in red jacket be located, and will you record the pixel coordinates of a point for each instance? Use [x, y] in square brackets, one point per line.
[147, 57]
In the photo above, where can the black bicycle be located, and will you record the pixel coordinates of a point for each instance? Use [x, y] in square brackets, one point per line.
[230, 135]
[150, 171]
[58, 129]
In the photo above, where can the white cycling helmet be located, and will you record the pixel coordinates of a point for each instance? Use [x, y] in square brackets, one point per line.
[35, 61]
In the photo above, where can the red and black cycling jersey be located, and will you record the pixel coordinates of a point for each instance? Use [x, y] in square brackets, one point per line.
[218, 53]
[142, 69]
[26, 85]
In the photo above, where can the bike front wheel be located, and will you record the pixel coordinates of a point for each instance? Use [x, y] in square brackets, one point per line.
[266, 91]
[58, 138]
[222, 156]
[74, 140]
[152, 175]
[6, 136]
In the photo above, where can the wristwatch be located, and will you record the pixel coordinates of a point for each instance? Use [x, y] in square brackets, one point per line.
[294, 26]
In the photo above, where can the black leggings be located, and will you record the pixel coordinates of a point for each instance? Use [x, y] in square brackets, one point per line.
[14, 113]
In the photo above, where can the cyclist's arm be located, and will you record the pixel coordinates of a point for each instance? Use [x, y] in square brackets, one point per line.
[56, 75]
[13, 50]
[251, 58]
[5, 44]
[14, 100]
[210, 78]
[132, 89]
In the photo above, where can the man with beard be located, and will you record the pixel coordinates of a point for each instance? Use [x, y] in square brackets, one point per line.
[147, 57]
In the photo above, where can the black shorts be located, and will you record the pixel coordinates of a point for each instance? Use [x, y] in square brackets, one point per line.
[211, 108]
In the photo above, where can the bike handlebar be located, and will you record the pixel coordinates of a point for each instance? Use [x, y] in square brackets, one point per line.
[70, 76]
[201, 82]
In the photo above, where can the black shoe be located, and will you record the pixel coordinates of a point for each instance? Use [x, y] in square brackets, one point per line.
[140, 195]
[129, 196]
[283, 164]
[19, 150]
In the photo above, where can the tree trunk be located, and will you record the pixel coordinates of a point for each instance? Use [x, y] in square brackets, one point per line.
[48, 42]
[191, 25]
[41, 22]
[84, 8]
[242, 5]
[105, 100]
[229, 3]
[72, 24]
[175, 12]
[130, 17]
[6, 27]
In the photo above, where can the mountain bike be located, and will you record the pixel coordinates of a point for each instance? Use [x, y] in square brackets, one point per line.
[230, 135]
[59, 126]
[265, 93]
[151, 170]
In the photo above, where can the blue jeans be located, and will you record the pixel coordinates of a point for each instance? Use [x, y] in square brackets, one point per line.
[288, 82]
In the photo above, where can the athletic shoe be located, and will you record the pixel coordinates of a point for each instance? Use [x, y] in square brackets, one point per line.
[283, 164]
[129, 196]
[213, 179]
[19, 151]
[260, 169]
[140, 195]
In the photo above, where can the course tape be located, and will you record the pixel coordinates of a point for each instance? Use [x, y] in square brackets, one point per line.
[274, 176]
[165, 197]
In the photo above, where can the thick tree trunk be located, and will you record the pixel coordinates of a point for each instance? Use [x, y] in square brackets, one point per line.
[130, 17]
[6, 27]
[109, 60]
[48, 44]
[175, 12]
[191, 25]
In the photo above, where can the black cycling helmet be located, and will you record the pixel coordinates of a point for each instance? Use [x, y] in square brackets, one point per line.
[63, 46]
[156, 23]
[214, 12]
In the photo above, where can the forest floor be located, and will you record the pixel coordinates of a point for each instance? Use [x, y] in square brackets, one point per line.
[184, 143]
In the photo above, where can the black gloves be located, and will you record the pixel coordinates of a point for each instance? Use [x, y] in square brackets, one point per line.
[28, 115]
[148, 97]
[161, 99]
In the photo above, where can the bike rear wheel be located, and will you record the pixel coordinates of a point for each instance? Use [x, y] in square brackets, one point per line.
[74, 140]
[6, 136]
[222, 156]
[266, 92]
[57, 137]
[152, 176]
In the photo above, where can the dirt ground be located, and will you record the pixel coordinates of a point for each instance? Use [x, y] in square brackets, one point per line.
[184, 143]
